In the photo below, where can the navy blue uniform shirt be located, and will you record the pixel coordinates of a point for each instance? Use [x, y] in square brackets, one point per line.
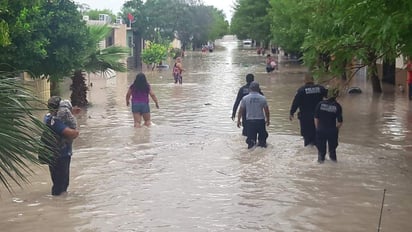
[307, 97]
[328, 113]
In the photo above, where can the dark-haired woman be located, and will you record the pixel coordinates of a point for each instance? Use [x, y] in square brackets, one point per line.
[138, 94]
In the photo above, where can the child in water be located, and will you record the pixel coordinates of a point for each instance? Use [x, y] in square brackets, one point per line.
[65, 114]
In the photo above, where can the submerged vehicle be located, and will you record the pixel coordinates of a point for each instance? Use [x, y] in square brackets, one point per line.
[247, 42]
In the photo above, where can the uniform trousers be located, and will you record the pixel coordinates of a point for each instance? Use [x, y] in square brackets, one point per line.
[307, 128]
[327, 137]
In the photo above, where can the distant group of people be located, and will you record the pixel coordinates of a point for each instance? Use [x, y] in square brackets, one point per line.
[207, 47]
[320, 115]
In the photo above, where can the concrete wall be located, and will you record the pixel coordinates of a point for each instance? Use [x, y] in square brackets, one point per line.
[120, 35]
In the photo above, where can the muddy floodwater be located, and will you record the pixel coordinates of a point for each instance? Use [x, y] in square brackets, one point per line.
[191, 171]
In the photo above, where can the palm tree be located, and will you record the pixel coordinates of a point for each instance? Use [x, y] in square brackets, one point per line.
[20, 131]
[97, 60]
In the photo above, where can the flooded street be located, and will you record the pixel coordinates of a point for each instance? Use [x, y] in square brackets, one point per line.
[192, 171]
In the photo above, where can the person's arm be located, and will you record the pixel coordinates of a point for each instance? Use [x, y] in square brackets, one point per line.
[129, 93]
[61, 129]
[267, 114]
[236, 104]
[295, 105]
[316, 120]
[180, 66]
[316, 116]
[409, 66]
[239, 116]
[339, 117]
[70, 133]
[153, 96]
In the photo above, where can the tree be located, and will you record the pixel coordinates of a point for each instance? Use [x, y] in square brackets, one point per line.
[154, 53]
[96, 60]
[189, 21]
[219, 26]
[45, 37]
[23, 43]
[67, 35]
[251, 20]
[290, 23]
[368, 30]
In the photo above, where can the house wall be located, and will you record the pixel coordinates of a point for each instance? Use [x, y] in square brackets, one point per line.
[120, 35]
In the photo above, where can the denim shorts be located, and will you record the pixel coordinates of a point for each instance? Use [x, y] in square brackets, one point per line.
[140, 108]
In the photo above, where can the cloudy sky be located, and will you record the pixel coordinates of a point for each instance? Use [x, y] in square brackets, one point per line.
[115, 5]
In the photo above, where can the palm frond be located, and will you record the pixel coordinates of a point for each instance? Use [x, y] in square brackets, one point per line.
[107, 60]
[20, 131]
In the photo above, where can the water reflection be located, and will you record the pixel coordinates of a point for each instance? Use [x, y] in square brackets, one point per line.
[191, 170]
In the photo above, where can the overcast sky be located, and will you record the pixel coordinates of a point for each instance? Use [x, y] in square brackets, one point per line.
[115, 5]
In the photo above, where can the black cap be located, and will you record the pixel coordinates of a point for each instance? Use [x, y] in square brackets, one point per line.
[250, 78]
[54, 102]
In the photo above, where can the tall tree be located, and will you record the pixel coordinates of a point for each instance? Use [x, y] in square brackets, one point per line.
[96, 60]
[220, 25]
[290, 23]
[23, 43]
[251, 20]
[67, 35]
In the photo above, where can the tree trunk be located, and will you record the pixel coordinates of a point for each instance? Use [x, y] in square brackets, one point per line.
[373, 73]
[137, 40]
[376, 83]
[344, 76]
[388, 71]
[79, 89]
[54, 87]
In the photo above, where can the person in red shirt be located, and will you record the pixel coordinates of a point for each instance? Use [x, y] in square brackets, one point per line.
[409, 80]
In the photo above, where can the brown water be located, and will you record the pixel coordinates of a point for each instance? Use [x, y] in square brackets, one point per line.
[191, 170]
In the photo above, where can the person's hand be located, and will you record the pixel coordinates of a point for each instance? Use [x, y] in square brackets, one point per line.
[267, 123]
[157, 105]
[76, 110]
[291, 117]
[239, 124]
[127, 103]
[233, 118]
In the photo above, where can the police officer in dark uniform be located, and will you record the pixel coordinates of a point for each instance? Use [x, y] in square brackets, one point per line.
[306, 99]
[243, 91]
[328, 120]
